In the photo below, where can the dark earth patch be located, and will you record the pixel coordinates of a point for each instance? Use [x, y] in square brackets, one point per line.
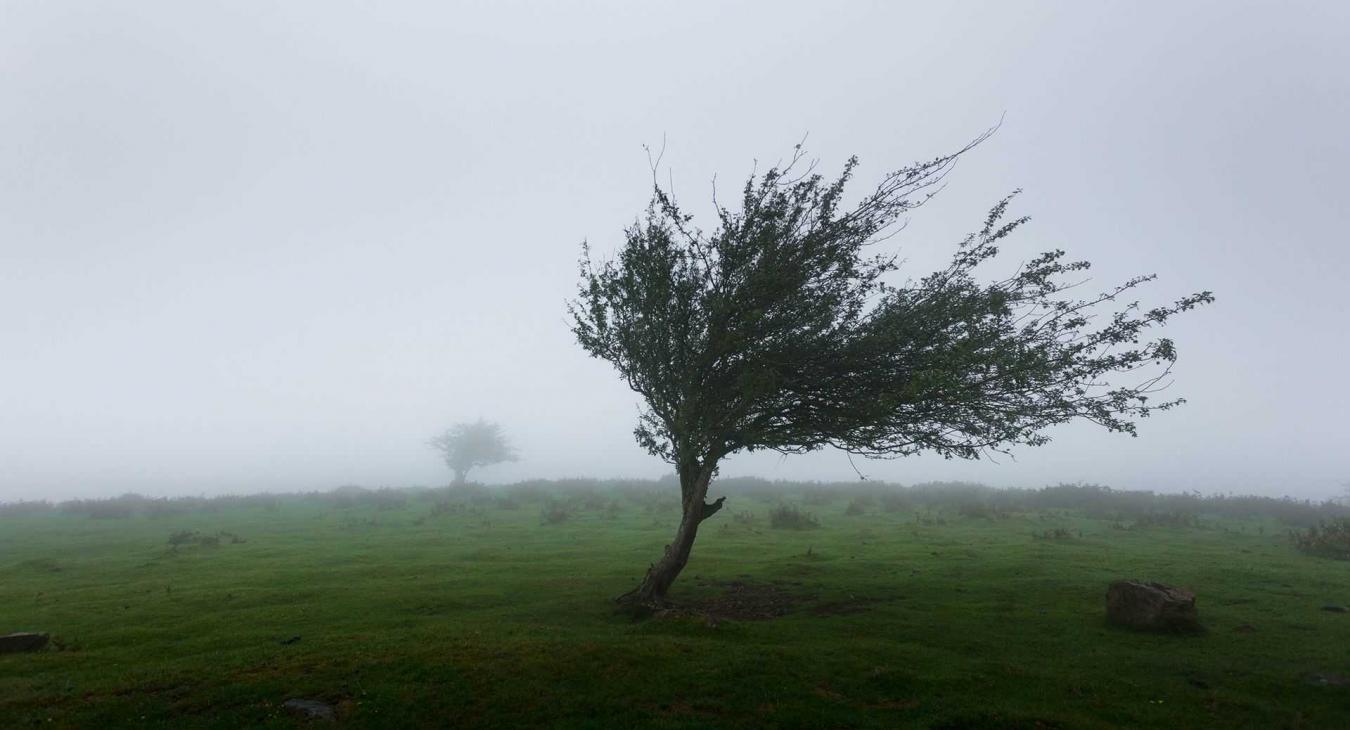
[749, 601]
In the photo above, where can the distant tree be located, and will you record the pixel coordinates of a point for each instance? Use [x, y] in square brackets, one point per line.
[466, 446]
[774, 331]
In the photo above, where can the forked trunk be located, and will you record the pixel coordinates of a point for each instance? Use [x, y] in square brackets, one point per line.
[651, 592]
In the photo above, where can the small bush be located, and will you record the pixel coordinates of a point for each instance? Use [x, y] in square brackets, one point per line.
[528, 492]
[114, 508]
[352, 496]
[892, 502]
[661, 505]
[1166, 519]
[859, 506]
[744, 518]
[166, 508]
[788, 517]
[588, 500]
[981, 511]
[446, 507]
[554, 514]
[182, 538]
[818, 496]
[1058, 533]
[23, 509]
[1327, 540]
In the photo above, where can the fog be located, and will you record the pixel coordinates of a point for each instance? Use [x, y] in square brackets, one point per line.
[249, 247]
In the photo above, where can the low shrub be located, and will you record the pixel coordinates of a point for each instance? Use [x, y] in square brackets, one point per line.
[818, 496]
[588, 500]
[788, 517]
[23, 509]
[1166, 519]
[446, 507]
[894, 502]
[554, 514]
[981, 511]
[859, 506]
[181, 538]
[1327, 540]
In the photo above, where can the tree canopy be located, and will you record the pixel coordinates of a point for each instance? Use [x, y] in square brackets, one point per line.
[466, 446]
[782, 328]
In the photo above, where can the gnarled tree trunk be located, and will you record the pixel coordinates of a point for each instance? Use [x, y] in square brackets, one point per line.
[651, 592]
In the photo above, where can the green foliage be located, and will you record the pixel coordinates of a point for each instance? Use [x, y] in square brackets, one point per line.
[782, 328]
[789, 517]
[1328, 539]
[181, 538]
[981, 511]
[1140, 508]
[1166, 519]
[860, 505]
[554, 514]
[775, 329]
[466, 446]
[894, 502]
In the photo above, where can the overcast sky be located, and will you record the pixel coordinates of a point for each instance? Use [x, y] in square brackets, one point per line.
[274, 246]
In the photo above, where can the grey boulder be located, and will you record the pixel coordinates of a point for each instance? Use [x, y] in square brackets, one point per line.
[1151, 607]
[15, 643]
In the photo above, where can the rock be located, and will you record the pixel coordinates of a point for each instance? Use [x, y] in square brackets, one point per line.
[15, 643]
[1151, 607]
[1336, 609]
[310, 709]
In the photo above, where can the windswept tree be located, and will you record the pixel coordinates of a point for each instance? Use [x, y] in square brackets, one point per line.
[466, 446]
[780, 329]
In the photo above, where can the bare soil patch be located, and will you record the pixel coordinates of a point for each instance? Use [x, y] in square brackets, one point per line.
[746, 600]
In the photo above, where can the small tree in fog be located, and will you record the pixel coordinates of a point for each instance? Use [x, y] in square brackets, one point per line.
[466, 446]
[776, 331]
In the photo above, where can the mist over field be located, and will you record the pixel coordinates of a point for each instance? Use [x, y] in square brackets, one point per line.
[252, 248]
[598, 364]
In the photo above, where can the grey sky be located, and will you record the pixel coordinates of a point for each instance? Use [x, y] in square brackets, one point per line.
[265, 246]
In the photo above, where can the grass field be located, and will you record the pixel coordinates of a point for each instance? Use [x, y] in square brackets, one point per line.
[436, 609]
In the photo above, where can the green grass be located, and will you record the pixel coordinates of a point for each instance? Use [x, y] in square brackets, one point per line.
[483, 617]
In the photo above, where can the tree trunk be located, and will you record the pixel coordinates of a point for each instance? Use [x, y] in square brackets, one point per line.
[651, 592]
[460, 475]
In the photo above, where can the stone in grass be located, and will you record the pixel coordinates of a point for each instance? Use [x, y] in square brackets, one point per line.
[1151, 607]
[310, 710]
[1335, 609]
[15, 643]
